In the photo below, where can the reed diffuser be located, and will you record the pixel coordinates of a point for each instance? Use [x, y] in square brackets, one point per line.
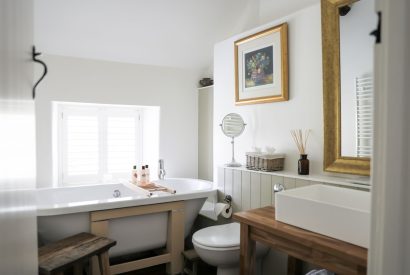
[301, 137]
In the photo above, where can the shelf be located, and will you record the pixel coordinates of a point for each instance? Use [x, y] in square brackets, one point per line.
[361, 182]
[204, 88]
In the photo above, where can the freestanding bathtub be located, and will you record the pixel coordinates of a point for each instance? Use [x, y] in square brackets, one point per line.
[62, 212]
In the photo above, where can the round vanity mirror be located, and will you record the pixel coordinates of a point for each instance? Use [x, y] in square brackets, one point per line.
[232, 126]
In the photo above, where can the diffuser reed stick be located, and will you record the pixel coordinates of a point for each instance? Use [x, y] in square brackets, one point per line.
[300, 137]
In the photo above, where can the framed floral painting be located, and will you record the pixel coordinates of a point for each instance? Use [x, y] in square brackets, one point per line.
[261, 67]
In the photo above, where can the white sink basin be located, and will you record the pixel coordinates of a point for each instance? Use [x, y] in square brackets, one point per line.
[336, 212]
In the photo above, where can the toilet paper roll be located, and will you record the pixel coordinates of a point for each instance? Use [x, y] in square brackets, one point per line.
[227, 213]
[223, 209]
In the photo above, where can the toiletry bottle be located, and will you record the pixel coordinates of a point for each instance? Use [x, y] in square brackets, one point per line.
[143, 176]
[147, 174]
[134, 175]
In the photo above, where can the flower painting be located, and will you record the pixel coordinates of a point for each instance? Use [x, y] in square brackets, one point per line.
[261, 67]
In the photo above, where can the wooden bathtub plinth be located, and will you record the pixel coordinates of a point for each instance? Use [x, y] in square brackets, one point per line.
[175, 235]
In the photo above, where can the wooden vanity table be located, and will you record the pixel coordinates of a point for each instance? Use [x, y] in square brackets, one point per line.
[260, 225]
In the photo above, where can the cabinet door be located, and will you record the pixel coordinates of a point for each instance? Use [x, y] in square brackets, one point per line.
[18, 228]
[205, 133]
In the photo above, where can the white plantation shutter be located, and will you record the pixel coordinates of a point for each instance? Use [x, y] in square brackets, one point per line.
[98, 142]
[121, 144]
[82, 150]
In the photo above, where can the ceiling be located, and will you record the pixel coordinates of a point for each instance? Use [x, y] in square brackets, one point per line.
[175, 33]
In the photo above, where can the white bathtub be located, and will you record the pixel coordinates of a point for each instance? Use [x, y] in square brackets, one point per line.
[62, 212]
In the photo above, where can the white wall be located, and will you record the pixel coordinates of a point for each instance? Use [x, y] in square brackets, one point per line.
[82, 80]
[390, 240]
[269, 124]
[178, 33]
[18, 241]
[270, 10]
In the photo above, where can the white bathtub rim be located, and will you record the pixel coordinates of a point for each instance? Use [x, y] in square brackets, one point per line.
[62, 209]
[135, 200]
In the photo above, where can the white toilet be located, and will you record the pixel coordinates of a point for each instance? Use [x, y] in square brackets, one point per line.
[219, 246]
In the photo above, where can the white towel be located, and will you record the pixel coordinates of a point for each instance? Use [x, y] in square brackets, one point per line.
[320, 272]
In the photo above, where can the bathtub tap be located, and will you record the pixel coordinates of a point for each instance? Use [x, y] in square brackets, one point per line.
[161, 170]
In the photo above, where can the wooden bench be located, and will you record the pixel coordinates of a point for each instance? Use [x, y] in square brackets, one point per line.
[73, 252]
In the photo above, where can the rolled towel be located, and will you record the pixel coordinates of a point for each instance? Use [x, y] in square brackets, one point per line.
[320, 272]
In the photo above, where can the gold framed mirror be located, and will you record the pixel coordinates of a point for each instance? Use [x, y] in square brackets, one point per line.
[336, 160]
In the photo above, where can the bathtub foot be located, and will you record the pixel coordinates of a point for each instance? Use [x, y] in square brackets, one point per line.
[175, 239]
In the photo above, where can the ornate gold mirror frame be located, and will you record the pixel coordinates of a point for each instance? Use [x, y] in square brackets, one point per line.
[333, 161]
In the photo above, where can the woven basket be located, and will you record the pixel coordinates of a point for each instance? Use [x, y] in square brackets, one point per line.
[252, 159]
[265, 162]
[271, 163]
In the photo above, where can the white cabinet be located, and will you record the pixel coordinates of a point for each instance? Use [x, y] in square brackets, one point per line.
[205, 133]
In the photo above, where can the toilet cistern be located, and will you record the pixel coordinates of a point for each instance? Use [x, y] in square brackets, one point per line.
[161, 170]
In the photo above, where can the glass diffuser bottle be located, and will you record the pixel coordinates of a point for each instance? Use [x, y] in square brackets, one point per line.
[303, 165]
[300, 139]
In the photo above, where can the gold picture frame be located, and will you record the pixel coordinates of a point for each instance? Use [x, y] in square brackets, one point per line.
[333, 161]
[261, 66]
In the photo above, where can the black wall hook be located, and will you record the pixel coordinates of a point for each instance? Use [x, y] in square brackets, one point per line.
[34, 55]
[377, 33]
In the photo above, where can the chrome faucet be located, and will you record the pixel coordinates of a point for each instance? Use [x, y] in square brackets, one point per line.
[161, 169]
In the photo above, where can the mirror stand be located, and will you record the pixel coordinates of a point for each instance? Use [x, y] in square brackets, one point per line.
[233, 163]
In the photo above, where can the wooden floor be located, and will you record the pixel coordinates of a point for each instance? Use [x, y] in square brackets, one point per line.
[203, 269]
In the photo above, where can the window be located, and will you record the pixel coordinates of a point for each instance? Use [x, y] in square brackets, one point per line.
[98, 143]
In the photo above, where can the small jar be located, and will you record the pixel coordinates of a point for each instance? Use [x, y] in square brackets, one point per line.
[303, 165]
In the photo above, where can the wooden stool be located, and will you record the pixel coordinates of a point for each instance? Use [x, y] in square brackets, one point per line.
[73, 251]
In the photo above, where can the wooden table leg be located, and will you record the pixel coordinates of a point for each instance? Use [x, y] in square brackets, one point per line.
[104, 262]
[78, 269]
[94, 265]
[295, 266]
[248, 252]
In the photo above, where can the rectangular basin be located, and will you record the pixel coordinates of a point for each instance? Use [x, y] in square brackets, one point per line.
[340, 213]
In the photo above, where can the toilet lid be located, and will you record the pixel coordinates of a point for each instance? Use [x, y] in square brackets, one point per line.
[222, 236]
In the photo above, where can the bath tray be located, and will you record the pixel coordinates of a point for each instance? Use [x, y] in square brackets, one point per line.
[149, 189]
[153, 187]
